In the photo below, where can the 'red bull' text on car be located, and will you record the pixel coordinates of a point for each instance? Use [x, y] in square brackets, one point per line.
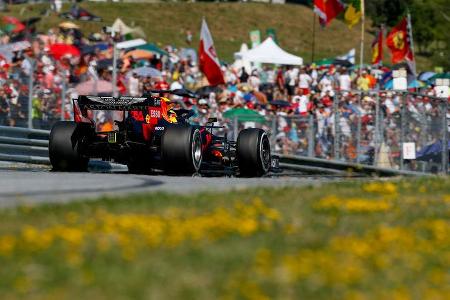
[151, 136]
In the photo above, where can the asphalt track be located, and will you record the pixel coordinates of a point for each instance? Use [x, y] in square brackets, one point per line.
[22, 184]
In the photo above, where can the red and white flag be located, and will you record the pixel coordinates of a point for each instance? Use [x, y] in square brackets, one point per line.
[208, 61]
[327, 10]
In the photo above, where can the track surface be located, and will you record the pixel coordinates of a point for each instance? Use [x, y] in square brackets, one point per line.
[24, 184]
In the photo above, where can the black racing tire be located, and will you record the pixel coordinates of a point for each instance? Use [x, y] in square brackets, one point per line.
[181, 149]
[63, 147]
[253, 152]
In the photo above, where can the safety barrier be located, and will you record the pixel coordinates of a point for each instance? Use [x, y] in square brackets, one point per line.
[24, 145]
[31, 146]
[325, 166]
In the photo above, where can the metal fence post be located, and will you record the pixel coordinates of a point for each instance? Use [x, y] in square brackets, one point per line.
[358, 132]
[402, 128]
[311, 129]
[377, 128]
[274, 130]
[63, 99]
[445, 137]
[30, 94]
[114, 74]
[336, 127]
[235, 128]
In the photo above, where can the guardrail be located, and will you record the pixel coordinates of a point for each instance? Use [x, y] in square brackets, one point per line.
[319, 165]
[31, 146]
[24, 145]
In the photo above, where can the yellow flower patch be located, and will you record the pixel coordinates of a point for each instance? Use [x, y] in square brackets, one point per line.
[353, 205]
[132, 232]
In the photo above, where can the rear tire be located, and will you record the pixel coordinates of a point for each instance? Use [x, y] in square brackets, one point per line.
[253, 152]
[63, 147]
[181, 149]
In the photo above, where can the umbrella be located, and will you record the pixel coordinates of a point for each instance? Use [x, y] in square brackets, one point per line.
[7, 55]
[342, 62]
[431, 152]
[440, 75]
[89, 49]
[152, 48]
[108, 62]
[145, 72]
[139, 54]
[12, 24]
[188, 52]
[415, 84]
[244, 115]
[69, 25]
[94, 87]
[324, 62]
[281, 103]
[389, 85]
[204, 91]
[424, 76]
[60, 50]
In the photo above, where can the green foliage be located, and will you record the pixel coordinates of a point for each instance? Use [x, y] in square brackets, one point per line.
[342, 240]
[429, 22]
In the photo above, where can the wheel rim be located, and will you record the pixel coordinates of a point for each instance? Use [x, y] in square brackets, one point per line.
[196, 150]
[264, 151]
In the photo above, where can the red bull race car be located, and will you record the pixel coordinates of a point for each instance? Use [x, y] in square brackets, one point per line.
[152, 137]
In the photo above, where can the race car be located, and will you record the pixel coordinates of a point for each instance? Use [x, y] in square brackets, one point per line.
[152, 137]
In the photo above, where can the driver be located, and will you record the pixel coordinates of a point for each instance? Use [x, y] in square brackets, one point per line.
[167, 111]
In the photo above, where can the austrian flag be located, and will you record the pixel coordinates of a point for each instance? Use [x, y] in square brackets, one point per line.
[208, 61]
[327, 10]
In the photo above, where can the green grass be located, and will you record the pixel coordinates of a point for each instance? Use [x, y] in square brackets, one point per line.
[230, 23]
[340, 240]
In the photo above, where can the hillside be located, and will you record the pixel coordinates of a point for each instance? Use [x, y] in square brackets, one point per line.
[230, 23]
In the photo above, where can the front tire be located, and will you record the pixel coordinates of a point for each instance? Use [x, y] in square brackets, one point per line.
[181, 149]
[253, 152]
[64, 146]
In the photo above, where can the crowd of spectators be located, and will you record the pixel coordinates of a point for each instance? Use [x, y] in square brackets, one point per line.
[289, 98]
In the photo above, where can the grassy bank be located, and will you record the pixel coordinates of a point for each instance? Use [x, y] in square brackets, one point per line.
[230, 23]
[342, 240]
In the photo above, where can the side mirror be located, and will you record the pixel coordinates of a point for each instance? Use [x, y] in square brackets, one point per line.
[212, 120]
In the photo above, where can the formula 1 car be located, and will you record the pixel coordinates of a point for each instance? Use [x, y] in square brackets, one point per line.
[151, 136]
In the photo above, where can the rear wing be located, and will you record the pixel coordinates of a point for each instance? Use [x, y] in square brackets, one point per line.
[123, 103]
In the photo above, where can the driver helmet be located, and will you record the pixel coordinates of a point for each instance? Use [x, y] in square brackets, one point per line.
[167, 110]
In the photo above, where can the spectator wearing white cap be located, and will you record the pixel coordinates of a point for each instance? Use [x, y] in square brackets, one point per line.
[133, 85]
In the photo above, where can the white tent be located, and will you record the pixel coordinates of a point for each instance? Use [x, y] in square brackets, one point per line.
[239, 63]
[269, 53]
[120, 27]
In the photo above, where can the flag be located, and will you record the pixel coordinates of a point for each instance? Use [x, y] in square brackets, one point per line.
[327, 10]
[208, 61]
[377, 48]
[353, 13]
[350, 56]
[398, 42]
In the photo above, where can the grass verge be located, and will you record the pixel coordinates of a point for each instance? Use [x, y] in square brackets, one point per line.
[229, 23]
[354, 240]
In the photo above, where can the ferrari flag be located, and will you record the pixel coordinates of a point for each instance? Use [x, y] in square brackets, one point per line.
[208, 60]
[327, 10]
[377, 48]
[398, 42]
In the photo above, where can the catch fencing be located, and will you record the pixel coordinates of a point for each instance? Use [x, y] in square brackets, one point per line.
[385, 129]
